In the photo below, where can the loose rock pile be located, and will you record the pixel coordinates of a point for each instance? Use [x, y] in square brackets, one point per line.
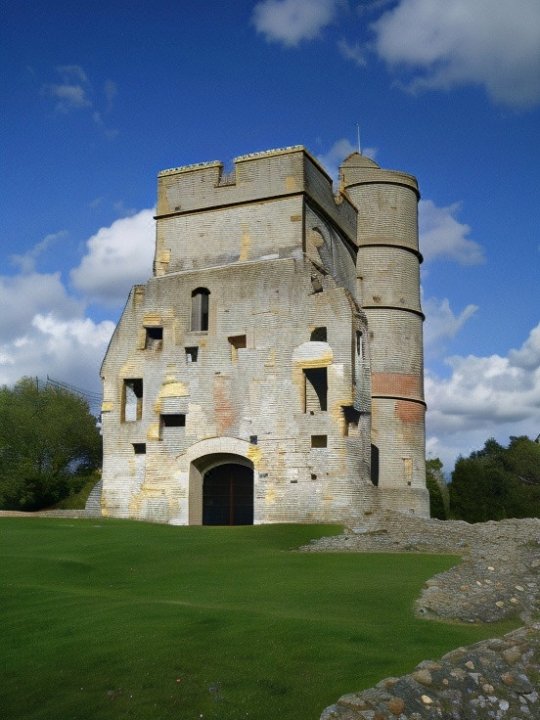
[498, 577]
[493, 679]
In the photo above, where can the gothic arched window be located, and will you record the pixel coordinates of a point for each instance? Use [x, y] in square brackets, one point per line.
[199, 309]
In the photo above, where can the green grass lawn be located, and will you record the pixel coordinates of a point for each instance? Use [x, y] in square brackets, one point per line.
[112, 619]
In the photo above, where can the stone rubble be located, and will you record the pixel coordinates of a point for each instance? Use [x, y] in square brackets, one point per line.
[497, 679]
[491, 680]
[497, 578]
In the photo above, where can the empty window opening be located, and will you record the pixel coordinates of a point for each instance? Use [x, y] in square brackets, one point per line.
[132, 400]
[313, 476]
[237, 342]
[139, 448]
[192, 354]
[173, 420]
[359, 344]
[199, 309]
[319, 441]
[375, 465]
[319, 334]
[154, 338]
[351, 418]
[315, 390]
[316, 285]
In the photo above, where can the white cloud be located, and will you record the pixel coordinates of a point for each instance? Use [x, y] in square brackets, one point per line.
[483, 397]
[23, 296]
[69, 97]
[353, 52]
[67, 350]
[459, 42]
[46, 331]
[291, 21]
[74, 92]
[442, 324]
[27, 261]
[441, 235]
[117, 257]
[338, 152]
[43, 332]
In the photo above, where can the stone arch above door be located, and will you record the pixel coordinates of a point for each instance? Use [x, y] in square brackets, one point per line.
[205, 456]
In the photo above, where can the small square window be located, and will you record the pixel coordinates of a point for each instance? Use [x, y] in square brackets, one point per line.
[139, 448]
[319, 334]
[319, 441]
[154, 338]
[192, 354]
[237, 342]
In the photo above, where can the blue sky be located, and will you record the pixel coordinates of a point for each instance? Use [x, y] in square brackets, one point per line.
[98, 97]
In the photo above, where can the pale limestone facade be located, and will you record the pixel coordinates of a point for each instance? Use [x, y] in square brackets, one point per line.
[271, 369]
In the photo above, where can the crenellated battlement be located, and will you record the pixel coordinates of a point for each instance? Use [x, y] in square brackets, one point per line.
[258, 176]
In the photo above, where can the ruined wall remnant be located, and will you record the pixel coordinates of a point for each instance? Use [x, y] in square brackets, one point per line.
[244, 377]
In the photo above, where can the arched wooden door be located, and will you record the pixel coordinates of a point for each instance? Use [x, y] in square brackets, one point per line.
[228, 495]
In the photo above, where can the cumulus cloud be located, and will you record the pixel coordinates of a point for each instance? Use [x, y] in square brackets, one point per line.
[27, 261]
[489, 396]
[69, 350]
[44, 331]
[332, 159]
[492, 44]
[442, 236]
[117, 257]
[442, 324]
[291, 21]
[24, 296]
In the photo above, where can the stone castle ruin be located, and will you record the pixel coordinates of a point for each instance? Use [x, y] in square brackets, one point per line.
[271, 369]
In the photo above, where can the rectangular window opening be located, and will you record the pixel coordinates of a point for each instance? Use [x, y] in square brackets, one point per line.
[359, 344]
[132, 399]
[139, 448]
[154, 338]
[200, 304]
[319, 441]
[319, 334]
[192, 354]
[315, 390]
[173, 420]
[237, 342]
[351, 418]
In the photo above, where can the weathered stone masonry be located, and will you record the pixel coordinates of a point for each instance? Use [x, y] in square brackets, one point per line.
[271, 370]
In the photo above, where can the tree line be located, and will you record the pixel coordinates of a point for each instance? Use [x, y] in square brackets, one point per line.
[49, 445]
[494, 483]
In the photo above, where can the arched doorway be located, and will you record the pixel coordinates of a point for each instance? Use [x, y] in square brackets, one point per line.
[228, 495]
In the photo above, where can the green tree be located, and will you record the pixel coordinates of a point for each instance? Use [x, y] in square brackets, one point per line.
[48, 443]
[497, 482]
[437, 488]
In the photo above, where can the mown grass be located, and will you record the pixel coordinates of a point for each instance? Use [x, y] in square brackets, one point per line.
[111, 619]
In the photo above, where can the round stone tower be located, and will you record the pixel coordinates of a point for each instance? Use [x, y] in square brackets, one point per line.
[388, 271]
